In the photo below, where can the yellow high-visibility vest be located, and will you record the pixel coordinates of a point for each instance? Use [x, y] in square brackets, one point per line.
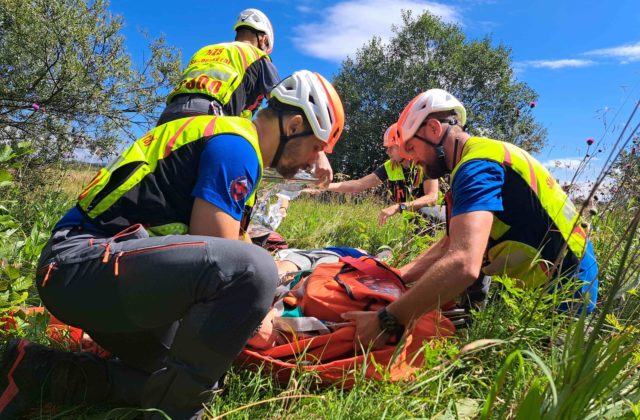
[217, 70]
[521, 260]
[142, 185]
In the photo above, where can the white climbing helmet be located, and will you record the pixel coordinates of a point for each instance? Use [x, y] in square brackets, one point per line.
[255, 19]
[319, 101]
[433, 100]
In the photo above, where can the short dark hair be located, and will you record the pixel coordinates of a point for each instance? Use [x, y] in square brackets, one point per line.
[275, 106]
[444, 115]
[245, 31]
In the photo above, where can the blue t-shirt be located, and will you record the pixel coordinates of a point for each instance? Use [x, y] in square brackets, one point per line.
[477, 186]
[72, 218]
[347, 252]
[228, 172]
[588, 273]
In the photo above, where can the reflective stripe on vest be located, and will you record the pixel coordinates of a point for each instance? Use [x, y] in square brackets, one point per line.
[396, 174]
[552, 198]
[217, 70]
[145, 153]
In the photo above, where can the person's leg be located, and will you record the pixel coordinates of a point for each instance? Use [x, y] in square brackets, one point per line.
[434, 213]
[144, 350]
[475, 296]
[139, 355]
[220, 289]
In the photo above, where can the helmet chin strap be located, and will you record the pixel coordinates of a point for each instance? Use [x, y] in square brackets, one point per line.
[455, 153]
[442, 159]
[284, 139]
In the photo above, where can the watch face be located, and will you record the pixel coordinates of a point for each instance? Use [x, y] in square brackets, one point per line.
[389, 324]
[387, 321]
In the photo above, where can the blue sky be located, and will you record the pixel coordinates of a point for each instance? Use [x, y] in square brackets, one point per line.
[582, 57]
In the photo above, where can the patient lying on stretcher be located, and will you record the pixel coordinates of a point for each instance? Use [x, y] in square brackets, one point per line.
[283, 321]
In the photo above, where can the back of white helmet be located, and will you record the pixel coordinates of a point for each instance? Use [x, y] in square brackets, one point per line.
[258, 21]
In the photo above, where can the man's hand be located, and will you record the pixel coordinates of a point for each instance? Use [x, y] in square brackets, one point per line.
[386, 213]
[367, 328]
[323, 171]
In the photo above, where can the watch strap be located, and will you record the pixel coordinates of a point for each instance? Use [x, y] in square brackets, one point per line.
[390, 324]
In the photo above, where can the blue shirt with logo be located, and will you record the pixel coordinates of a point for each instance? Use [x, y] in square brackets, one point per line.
[228, 172]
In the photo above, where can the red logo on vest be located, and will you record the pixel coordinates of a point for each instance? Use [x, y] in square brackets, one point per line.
[148, 139]
[550, 182]
[239, 188]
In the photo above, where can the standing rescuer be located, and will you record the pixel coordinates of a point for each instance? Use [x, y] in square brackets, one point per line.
[148, 261]
[503, 205]
[230, 78]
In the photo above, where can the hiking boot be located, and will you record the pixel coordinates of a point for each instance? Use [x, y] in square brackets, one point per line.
[23, 375]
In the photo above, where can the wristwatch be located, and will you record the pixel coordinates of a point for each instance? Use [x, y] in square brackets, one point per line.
[390, 324]
[402, 207]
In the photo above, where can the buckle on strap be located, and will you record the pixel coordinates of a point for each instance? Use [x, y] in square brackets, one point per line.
[215, 108]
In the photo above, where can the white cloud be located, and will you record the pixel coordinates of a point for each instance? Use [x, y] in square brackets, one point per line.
[625, 53]
[563, 163]
[565, 168]
[556, 64]
[580, 190]
[347, 25]
[304, 8]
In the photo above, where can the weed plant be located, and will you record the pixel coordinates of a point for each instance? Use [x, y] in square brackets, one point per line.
[520, 358]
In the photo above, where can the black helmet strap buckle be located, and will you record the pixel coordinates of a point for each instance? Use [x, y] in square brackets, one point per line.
[440, 156]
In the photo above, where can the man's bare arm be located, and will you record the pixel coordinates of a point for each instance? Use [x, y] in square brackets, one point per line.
[430, 197]
[414, 270]
[451, 274]
[209, 220]
[355, 185]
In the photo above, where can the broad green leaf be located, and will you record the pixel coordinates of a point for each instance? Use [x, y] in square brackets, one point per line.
[22, 283]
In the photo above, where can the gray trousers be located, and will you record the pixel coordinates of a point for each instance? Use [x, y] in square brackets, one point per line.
[175, 310]
[437, 213]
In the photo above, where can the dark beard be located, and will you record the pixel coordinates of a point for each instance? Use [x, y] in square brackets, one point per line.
[287, 172]
[435, 171]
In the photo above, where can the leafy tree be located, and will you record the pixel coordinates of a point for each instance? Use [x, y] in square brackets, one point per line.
[68, 82]
[426, 53]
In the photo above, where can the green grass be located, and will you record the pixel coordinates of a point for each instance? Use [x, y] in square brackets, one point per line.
[312, 223]
[520, 359]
